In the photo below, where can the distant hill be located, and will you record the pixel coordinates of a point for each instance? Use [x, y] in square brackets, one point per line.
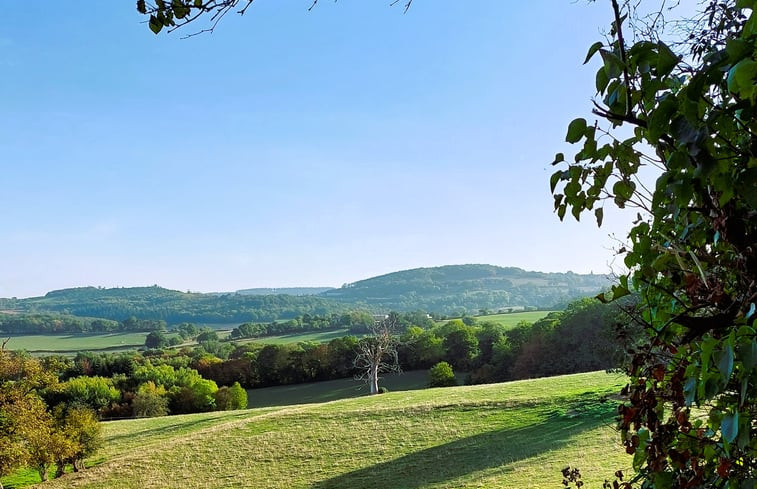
[173, 306]
[285, 290]
[452, 289]
[469, 288]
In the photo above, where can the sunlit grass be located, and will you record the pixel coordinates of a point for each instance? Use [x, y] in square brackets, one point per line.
[518, 434]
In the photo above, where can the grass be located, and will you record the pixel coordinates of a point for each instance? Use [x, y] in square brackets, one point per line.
[518, 434]
[73, 343]
[512, 319]
[315, 336]
[332, 390]
[70, 343]
[509, 320]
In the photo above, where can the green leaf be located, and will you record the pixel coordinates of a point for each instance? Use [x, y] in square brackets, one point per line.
[741, 78]
[141, 7]
[729, 427]
[623, 190]
[659, 119]
[556, 176]
[619, 291]
[663, 480]
[690, 390]
[559, 158]
[599, 214]
[613, 64]
[155, 24]
[576, 130]
[725, 365]
[666, 60]
[592, 50]
[748, 354]
[601, 80]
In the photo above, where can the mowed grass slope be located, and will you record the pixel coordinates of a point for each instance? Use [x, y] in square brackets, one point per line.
[507, 320]
[73, 343]
[510, 320]
[518, 434]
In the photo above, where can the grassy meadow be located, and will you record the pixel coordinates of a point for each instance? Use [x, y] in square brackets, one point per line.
[315, 336]
[72, 343]
[510, 320]
[332, 390]
[517, 434]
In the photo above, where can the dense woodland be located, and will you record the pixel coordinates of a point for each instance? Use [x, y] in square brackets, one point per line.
[452, 290]
[458, 289]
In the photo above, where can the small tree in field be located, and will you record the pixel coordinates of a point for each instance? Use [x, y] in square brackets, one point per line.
[231, 398]
[441, 375]
[377, 354]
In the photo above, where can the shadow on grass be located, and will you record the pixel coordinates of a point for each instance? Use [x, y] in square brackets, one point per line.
[173, 428]
[473, 454]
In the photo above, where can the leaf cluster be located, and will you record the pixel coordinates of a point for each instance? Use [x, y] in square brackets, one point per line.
[692, 251]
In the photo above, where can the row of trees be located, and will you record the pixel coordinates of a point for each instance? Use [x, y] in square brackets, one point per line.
[355, 321]
[487, 351]
[46, 323]
[173, 306]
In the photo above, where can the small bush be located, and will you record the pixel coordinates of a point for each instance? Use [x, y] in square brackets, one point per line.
[441, 375]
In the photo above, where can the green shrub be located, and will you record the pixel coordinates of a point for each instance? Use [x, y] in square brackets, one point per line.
[441, 375]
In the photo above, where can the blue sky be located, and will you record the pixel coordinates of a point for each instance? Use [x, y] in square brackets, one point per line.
[289, 148]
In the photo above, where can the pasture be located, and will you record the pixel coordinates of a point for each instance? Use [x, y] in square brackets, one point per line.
[517, 434]
[69, 343]
[332, 390]
[510, 320]
[314, 336]
[507, 320]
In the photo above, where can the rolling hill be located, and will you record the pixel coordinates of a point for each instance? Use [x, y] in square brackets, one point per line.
[518, 434]
[468, 288]
[452, 289]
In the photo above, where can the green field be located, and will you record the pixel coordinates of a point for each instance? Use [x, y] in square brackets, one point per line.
[508, 320]
[73, 343]
[315, 336]
[518, 434]
[332, 390]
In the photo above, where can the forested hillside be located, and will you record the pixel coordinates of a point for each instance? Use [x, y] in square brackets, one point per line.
[469, 288]
[173, 306]
[447, 290]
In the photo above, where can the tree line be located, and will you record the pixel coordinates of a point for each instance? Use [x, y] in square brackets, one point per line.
[50, 323]
[580, 338]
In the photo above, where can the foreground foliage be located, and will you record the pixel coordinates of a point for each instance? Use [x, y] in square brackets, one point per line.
[692, 256]
[34, 433]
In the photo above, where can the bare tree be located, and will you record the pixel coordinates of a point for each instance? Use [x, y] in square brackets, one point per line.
[377, 354]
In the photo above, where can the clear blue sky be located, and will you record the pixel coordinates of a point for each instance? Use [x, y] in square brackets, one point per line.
[289, 148]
